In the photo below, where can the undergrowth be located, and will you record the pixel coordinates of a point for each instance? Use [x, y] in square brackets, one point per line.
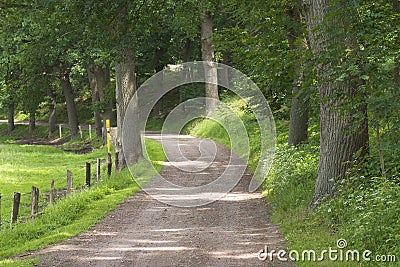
[364, 212]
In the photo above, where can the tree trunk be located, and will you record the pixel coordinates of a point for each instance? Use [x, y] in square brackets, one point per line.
[185, 73]
[160, 108]
[108, 111]
[52, 113]
[298, 124]
[125, 90]
[108, 115]
[338, 142]
[32, 121]
[207, 52]
[99, 78]
[10, 117]
[69, 99]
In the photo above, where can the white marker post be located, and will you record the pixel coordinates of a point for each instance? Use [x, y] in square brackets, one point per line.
[108, 136]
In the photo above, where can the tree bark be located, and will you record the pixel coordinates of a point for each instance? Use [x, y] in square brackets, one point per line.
[125, 90]
[32, 121]
[52, 113]
[185, 73]
[338, 142]
[99, 78]
[160, 108]
[69, 99]
[207, 52]
[298, 123]
[10, 117]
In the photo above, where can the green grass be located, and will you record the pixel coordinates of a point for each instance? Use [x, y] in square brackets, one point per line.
[21, 132]
[18, 263]
[23, 166]
[365, 212]
[213, 130]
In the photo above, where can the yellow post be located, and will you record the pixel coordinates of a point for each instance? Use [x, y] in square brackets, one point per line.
[108, 136]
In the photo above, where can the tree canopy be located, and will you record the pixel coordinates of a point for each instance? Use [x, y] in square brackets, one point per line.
[314, 60]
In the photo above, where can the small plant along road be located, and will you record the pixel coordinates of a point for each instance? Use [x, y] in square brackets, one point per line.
[145, 232]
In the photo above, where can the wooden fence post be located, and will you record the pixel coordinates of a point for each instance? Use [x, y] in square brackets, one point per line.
[109, 164]
[51, 196]
[116, 162]
[34, 201]
[15, 208]
[98, 170]
[69, 181]
[90, 131]
[80, 131]
[88, 174]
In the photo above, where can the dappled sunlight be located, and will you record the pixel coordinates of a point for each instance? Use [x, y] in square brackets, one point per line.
[101, 233]
[180, 248]
[179, 164]
[152, 242]
[240, 196]
[233, 254]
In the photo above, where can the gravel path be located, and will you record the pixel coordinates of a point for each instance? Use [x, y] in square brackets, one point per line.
[145, 232]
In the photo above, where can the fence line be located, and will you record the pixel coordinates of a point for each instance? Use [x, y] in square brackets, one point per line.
[81, 128]
[36, 205]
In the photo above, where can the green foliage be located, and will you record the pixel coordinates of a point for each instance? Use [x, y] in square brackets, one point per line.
[290, 183]
[364, 212]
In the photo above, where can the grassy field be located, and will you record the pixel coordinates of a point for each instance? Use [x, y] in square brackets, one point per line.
[25, 165]
[365, 212]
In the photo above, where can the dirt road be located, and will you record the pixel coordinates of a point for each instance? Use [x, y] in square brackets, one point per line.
[145, 232]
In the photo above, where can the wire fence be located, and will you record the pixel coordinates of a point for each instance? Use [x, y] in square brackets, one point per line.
[27, 206]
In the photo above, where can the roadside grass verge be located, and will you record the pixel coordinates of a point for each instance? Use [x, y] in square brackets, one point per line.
[365, 211]
[71, 215]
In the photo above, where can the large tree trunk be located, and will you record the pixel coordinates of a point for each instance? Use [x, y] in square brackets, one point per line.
[338, 141]
[69, 99]
[125, 90]
[10, 117]
[298, 124]
[99, 78]
[52, 113]
[207, 53]
[32, 121]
